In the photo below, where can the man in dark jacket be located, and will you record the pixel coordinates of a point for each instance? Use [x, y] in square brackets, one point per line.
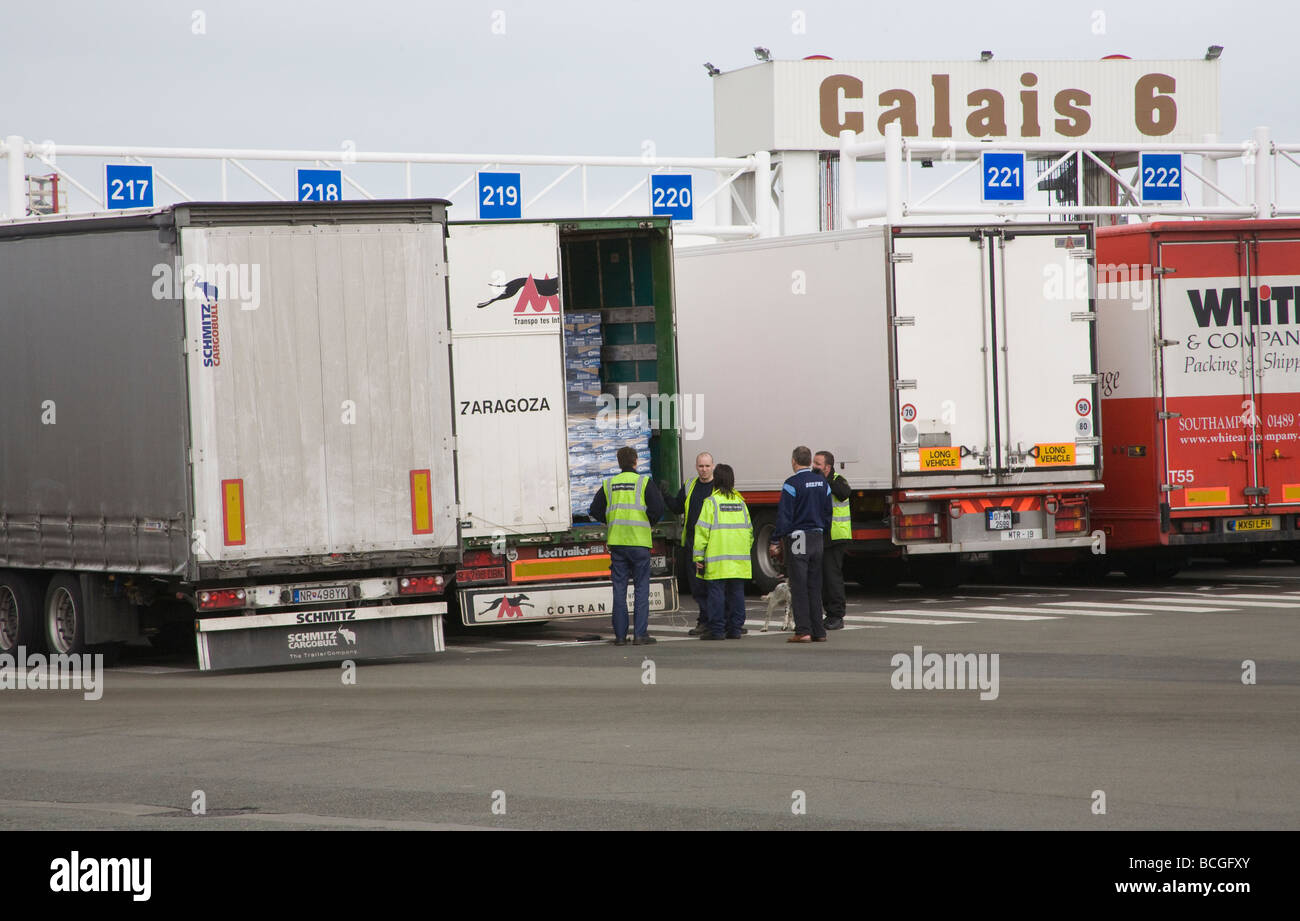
[803, 516]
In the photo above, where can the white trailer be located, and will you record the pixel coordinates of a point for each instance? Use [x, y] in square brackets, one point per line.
[951, 370]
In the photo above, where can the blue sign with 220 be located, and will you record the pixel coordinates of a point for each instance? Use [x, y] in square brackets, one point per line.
[1162, 176]
[670, 196]
[128, 186]
[1002, 177]
[500, 196]
[320, 185]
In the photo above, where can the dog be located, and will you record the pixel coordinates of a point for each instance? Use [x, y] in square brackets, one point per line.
[779, 597]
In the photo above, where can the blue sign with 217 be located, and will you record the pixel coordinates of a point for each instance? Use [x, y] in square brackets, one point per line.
[127, 185]
[1002, 177]
[1162, 176]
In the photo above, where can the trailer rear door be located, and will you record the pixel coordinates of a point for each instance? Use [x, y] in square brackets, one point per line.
[318, 373]
[1209, 402]
[1275, 276]
[508, 361]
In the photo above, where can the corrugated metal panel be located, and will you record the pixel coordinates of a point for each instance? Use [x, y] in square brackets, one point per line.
[92, 404]
[325, 387]
[508, 361]
[247, 214]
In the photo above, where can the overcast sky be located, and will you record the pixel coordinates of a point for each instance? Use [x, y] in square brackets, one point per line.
[561, 76]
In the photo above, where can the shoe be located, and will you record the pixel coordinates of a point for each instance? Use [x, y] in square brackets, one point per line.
[733, 636]
[800, 638]
[744, 629]
[819, 639]
[697, 630]
[710, 636]
[618, 642]
[643, 640]
[835, 623]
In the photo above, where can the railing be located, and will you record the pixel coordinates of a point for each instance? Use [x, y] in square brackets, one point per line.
[18, 151]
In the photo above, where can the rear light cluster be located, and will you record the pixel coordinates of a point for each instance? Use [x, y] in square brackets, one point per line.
[479, 558]
[1194, 526]
[222, 598]
[927, 526]
[1071, 516]
[420, 585]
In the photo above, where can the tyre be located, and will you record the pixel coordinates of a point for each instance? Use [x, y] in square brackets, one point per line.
[20, 613]
[766, 573]
[65, 616]
[939, 575]
[1151, 570]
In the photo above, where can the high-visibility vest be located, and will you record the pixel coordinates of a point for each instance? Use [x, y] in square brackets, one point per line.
[841, 523]
[626, 521]
[723, 536]
[690, 488]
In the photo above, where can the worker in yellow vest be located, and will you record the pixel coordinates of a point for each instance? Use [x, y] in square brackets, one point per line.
[840, 537]
[629, 504]
[723, 537]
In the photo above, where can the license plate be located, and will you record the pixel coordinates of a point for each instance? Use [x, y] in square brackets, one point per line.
[997, 519]
[1252, 524]
[1022, 534]
[321, 593]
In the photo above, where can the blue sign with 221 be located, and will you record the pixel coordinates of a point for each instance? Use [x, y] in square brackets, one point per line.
[1002, 177]
[1162, 176]
[128, 186]
[670, 196]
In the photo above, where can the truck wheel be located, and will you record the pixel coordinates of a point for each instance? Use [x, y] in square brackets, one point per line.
[766, 574]
[20, 613]
[1151, 570]
[939, 575]
[65, 616]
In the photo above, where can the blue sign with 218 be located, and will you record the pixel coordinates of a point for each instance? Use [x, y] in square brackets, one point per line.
[670, 196]
[320, 185]
[1162, 176]
[1003, 177]
[499, 196]
[128, 186]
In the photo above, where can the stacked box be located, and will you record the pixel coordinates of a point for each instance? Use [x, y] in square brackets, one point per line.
[593, 453]
[582, 343]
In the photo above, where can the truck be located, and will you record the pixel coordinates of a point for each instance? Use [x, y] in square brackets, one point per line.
[950, 369]
[1200, 387]
[286, 433]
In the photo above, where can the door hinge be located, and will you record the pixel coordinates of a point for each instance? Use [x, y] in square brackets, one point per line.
[1086, 316]
[900, 257]
[1165, 415]
[1159, 270]
[904, 321]
[1080, 253]
[1093, 441]
[1167, 488]
[1165, 343]
[904, 385]
[1085, 378]
[1255, 491]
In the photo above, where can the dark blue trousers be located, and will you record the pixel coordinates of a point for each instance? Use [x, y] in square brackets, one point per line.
[630, 563]
[726, 606]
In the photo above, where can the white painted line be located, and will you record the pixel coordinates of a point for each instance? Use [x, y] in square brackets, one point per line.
[975, 616]
[1073, 611]
[1230, 600]
[858, 618]
[1179, 608]
[1294, 599]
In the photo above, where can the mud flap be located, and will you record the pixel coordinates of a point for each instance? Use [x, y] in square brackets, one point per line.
[505, 604]
[302, 637]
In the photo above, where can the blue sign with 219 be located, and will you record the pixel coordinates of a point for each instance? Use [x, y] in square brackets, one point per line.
[499, 196]
[1162, 176]
[670, 196]
[128, 186]
[1002, 177]
[320, 185]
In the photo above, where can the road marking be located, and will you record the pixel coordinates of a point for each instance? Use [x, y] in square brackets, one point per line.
[858, 618]
[1233, 603]
[1073, 611]
[1180, 608]
[1039, 616]
[1294, 599]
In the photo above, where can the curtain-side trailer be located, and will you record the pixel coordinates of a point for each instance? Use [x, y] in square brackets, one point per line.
[950, 370]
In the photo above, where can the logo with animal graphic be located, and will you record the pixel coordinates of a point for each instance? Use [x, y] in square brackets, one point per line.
[507, 606]
[540, 297]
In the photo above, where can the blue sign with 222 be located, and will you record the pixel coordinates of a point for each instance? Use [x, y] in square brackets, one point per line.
[128, 186]
[1162, 176]
[1003, 177]
[670, 196]
[320, 185]
[500, 196]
